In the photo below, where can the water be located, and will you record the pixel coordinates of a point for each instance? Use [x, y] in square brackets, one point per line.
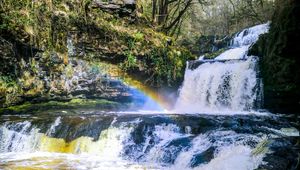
[135, 141]
[224, 134]
[230, 82]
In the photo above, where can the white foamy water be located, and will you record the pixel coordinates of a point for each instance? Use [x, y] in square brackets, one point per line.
[53, 126]
[233, 158]
[229, 85]
[234, 54]
[249, 35]
[229, 154]
[165, 134]
[24, 146]
[24, 140]
[137, 143]
[219, 86]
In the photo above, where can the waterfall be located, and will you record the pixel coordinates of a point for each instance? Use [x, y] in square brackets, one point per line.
[229, 82]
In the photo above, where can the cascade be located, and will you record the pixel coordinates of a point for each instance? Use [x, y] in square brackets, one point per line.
[64, 139]
[125, 141]
[229, 82]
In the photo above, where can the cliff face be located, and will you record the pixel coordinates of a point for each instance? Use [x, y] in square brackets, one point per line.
[54, 77]
[279, 51]
[55, 50]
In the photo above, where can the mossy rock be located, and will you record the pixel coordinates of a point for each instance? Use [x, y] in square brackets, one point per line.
[98, 104]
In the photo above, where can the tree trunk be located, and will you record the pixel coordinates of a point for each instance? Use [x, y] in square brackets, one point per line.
[154, 10]
[163, 11]
[177, 19]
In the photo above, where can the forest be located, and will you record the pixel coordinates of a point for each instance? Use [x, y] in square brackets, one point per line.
[149, 84]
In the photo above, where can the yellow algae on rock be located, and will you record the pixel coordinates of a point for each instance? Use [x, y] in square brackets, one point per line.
[49, 144]
[109, 144]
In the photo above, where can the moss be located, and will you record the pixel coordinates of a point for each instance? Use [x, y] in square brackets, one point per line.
[139, 36]
[53, 20]
[95, 34]
[9, 91]
[69, 71]
[18, 108]
[99, 104]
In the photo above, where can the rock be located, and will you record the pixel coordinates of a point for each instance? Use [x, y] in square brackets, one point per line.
[7, 58]
[279, 51]
[193, 64]
[212, 43]
[123, 8]
[283, 155]
[55, 59]
[203, 157]
[50, 79]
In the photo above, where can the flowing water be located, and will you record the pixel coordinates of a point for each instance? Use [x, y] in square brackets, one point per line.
[135, 141]
[230, 82]
[220, 132]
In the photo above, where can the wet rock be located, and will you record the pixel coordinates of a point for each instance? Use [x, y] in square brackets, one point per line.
[193, 64]
[72, 128]
[284, 154]
[203, 157]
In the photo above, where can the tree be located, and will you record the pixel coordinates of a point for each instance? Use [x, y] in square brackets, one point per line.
[168, 14]
[208, 17]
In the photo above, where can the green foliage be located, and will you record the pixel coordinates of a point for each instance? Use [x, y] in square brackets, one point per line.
[8, 85]
[6, 79]
[8, 90]
[169, 65]
[131, 43]
[131, 59]
[96, 34]
[130, 62]
[139, 36]
[44, 23]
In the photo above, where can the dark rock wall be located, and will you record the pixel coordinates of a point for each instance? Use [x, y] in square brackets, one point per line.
[279, 51]
[53, 77]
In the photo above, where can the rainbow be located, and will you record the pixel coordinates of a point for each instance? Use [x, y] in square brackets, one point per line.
[116, 73]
